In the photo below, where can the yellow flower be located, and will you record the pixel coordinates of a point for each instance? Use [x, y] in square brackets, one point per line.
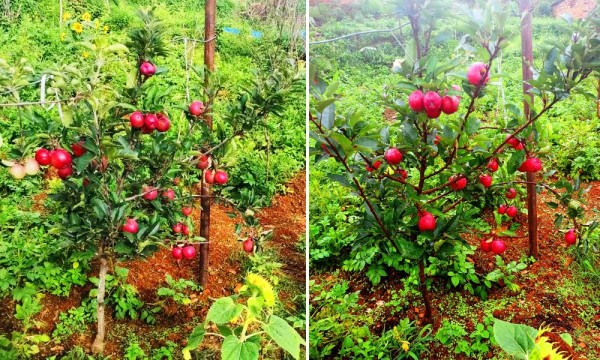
[63, 36]
[405, 346]
[106, 29]
[97, 24]
[263, 286]
[86, 16]
[86, 54]
[66, 16]
[77, 27]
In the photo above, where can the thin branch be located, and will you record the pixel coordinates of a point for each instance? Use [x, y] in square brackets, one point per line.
[359, 33]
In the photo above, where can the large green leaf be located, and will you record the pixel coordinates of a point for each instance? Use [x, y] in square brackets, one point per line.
[223, 311]
[516, 339]
[234, 349]
[284, 335]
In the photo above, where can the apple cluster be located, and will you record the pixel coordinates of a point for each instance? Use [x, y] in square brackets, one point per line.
[433, 103]
[149, 122]
[60, 159]
[211, 176]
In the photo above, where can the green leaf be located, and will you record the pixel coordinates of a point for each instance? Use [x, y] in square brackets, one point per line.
[515, 161]
[194, 340]
[284, 335]
[516, 339]
[234, 349]
[410, 250]
[223, 311]
[472, 125]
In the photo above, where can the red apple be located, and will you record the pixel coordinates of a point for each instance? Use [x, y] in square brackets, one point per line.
[485, 180]
[147, 69]
[502, 209]
[532, 164]
[65, 172]
[450, 104]
[403, 173]
[177, 253]
[130, 226]
[177, 228]
[248, 245]
[220, 177]
[136, 119]
[150, 193]
[478, 74]
[432, 102]
[459, 182]
[511, 193]
[393, 156]
[189, 252]
[185, 230]
[168, 195]
[59, 158]
[186, 211]
[163, 123]
[196, 108]
[42, 156]
[426, 222]
[512, 211]
[204, 162]
[492, 165]
[498, 246]
[571, 237]
[150, 121]
[437, 139]
[78, 149]
[486, 246]
[415, 101]
[209, 176]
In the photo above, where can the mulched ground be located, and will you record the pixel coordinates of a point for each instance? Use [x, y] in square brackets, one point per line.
[538, 303]
[175, 322]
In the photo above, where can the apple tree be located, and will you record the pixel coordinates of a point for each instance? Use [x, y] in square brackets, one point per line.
[129, 155]
[425, 179]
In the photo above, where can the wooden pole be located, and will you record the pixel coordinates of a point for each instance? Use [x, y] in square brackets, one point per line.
[210, 10]
[525, 8]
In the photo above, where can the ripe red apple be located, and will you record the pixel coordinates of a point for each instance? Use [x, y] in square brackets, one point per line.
[450, 104]
[486, 246]
[136, 119]
[434, 113]
[415, 101]
[426, 222]
[147, 69]
[498, 246]
[571, 237]
[17, 171]
[150, 121]
[512, 141]
[532, 164]
[168, 195]
[177, 253]
[204, 162]
[65, 172]
[31, 166]
[177, 228]
[130, 226]
[185, 230]
[432, 102]
[476, 74]
[42, 156]
[196, 108]
[485, 180]
[403, 173]
[163, 123]
[248, 245]
[502, 209]
[146, 130]
[59, 158]
[189, 252]
[437, 139]
[520, 146]
[459, 182]
[78, 149]
[150, 193]
[220, 177]
[186, 210]
[492, 165]
[209, 176]
[393, 156]
[376, 166]
[511, 211]
[511, 193]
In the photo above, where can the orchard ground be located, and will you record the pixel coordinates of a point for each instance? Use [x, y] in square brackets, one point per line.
[228, 263]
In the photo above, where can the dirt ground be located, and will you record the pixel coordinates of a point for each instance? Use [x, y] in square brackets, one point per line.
[539, 303]
[175, 322]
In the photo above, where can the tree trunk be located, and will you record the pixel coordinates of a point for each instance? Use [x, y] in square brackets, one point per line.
[527, 53]
[423, 289]
[210, 10]
[98, 345]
